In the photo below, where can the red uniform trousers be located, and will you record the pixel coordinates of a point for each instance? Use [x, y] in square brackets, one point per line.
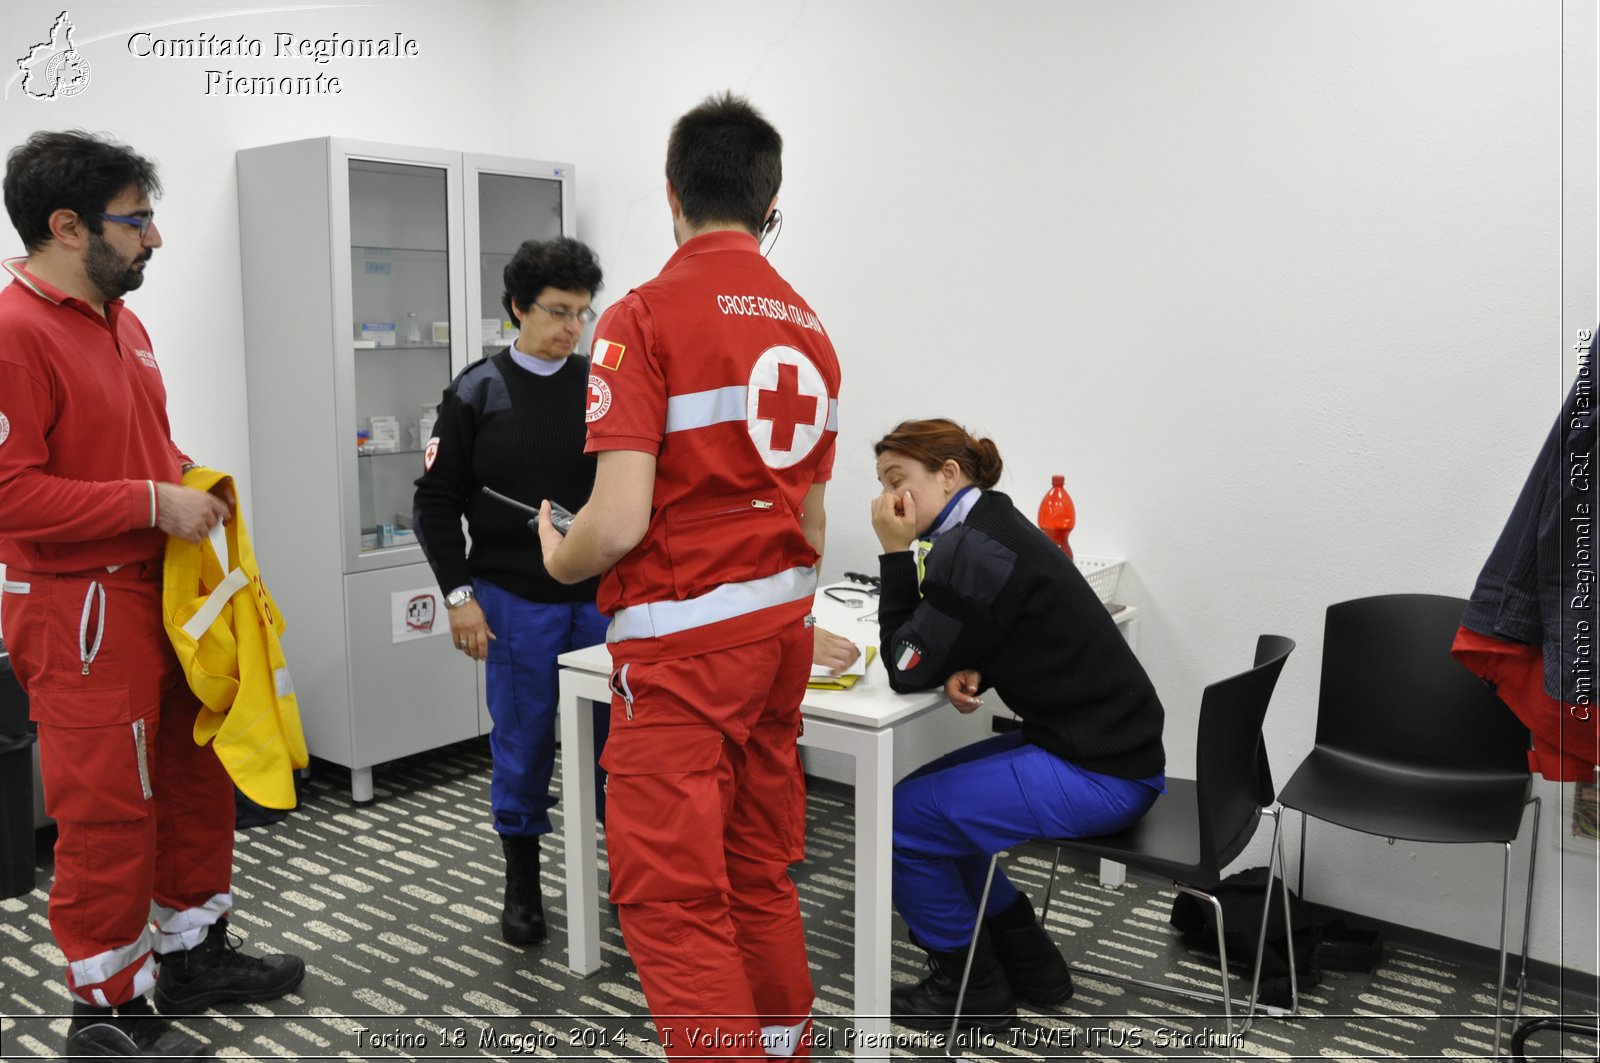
[143, 813]
[705, 811]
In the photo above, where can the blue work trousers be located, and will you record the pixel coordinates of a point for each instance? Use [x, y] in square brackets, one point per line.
[522, 679]
[953, 814]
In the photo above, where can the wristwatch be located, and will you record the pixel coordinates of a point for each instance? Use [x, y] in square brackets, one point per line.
[458, 597]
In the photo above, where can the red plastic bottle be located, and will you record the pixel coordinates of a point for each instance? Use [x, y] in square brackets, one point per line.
[1057, 516]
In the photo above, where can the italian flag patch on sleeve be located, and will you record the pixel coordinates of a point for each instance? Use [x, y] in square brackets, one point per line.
[907, 656]
[607, 355]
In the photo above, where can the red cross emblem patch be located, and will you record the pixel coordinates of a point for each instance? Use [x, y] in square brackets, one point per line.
[599, 399]
[786, 406]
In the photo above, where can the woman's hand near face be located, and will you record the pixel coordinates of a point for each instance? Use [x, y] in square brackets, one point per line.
[894, 519]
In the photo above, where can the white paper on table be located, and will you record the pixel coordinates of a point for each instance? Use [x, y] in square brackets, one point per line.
[820, 671]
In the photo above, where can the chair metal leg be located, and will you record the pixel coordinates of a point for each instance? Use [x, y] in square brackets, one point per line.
[950, 1051]
[1300, 885]
[1274, 865]
[1222, 958]
[1519, 1039]
[1050, 887]
[1527, 926]
[1252, 1006]
[1527, 911]
[1288, 921]
[1225, 996]
[1500, 982]
[1261, 934]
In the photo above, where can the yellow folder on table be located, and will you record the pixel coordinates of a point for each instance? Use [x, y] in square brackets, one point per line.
[846, 681]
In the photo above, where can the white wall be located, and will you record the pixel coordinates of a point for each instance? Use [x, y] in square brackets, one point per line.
[191, 302]
[1280, 288]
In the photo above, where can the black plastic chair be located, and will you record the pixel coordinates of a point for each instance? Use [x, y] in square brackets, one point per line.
[1200, 825]
[1411, 745]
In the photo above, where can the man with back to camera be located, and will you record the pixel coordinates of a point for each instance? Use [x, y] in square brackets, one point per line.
[89, 493]
[713, 408]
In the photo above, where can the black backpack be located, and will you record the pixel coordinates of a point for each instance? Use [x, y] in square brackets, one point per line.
[1240, 897]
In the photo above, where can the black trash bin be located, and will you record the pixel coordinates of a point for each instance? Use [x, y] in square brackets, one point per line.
[16, 815]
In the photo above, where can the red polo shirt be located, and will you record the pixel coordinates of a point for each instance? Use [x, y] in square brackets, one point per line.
[719, 369]
[83, 432]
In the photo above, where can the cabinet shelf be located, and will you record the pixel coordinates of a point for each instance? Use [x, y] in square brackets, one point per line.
[383, 250]
[385, 453]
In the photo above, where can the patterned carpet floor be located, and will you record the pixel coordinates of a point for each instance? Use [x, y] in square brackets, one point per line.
[395, 908]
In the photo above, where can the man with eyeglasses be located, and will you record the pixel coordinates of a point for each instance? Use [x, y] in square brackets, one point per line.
[513, 424]
[89, 492]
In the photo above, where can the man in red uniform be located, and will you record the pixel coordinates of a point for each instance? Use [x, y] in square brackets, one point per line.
[89, 493]
[713, 407]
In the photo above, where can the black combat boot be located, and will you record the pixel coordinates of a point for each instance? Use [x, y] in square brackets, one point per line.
[929, 1005]
[522, 921]
[217, 971]
[1034, 966]
[130, 1030]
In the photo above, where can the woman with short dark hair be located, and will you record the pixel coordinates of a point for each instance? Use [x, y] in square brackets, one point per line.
[514, 423]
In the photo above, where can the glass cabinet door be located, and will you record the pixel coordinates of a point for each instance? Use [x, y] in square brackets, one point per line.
[400, 290]
[511, 208]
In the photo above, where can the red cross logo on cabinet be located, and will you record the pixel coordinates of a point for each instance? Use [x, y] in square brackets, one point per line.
[786, 406]
[420, 612]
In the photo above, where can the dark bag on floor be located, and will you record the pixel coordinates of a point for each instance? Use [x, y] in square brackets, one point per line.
[1240, 897]
[1349, 946]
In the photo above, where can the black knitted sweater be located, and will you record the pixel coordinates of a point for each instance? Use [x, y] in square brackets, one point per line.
[521, 434]
[999, 597]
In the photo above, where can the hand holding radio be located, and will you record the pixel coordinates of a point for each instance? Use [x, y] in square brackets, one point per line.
[560, 519]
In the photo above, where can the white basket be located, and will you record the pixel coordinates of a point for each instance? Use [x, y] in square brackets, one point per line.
[1101, 572]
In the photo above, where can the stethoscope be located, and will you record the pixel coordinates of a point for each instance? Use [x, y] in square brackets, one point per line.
[855, 597]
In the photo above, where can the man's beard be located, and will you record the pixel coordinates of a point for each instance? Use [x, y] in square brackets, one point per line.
[107, 271]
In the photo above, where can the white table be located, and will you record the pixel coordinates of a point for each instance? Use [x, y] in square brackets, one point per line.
[858, 722]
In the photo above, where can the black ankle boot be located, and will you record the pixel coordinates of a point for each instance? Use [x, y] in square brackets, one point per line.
[218, 971]
[1034, 966]
[131, 1031]
[929, 1005]
[522, 921]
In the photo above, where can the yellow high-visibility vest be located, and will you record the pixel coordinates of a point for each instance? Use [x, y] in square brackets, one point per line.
[226, 628]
